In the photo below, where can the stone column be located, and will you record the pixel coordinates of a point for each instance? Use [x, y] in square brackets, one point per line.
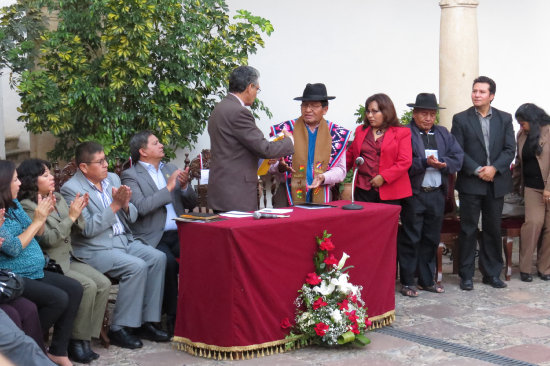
[458, 56]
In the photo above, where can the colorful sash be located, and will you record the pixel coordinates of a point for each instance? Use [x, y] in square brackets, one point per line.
[339, 136]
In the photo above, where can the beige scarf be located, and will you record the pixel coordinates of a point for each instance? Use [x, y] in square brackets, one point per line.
[323, 145]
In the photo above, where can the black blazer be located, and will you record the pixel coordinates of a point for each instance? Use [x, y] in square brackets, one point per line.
[467, 130]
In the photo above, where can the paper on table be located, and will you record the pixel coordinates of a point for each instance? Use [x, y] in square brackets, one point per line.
[236, 214]
[276, 211]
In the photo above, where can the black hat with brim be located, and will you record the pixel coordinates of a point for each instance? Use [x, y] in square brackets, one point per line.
[425, 101]
[314, 92]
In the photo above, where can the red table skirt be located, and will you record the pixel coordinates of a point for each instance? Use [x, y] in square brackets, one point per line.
[239, 277]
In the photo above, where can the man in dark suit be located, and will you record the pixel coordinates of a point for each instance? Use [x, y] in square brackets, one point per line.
[160, 193]
[236, 144]
[487, 137]
[436, 154]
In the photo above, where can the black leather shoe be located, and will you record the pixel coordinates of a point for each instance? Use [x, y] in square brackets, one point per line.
[123, 338]
[150, 332]
[525, 277]
[77, 352]
[466, 284]
[494, 281]
[170, 324]
[88, 349]
[544, 277]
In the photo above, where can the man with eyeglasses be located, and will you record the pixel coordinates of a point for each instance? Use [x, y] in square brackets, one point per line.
[107, 244]
[236, 145]
[319, 159]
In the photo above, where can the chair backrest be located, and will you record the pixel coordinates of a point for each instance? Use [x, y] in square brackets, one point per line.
[450, 201]
[63, 175]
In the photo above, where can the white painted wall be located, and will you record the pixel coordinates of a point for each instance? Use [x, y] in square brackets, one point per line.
[361, 47]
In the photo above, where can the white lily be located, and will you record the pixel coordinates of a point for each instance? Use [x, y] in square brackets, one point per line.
[342, 284]
[325, 289]
[336, 315]
[342, 261]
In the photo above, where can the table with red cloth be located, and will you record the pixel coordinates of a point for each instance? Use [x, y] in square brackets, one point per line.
[239, 277]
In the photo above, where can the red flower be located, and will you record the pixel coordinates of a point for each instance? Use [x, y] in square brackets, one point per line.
[321, 328]
[353, 298]
[319, 303]
[355, 328]
[285, 323]
[331, 260]
[368, 323]
[343, 305]
[326, 245]
[313, 279]
[351, 316]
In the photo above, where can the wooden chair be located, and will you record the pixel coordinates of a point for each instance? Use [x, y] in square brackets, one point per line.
[510, 228]
[449, 231]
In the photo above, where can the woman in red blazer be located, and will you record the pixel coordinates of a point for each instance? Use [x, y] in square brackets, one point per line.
[386, 148]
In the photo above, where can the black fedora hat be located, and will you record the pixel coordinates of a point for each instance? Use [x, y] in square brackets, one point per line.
[316, 91]
[425, 101]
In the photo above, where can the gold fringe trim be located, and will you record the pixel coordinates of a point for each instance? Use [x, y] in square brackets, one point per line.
[383, 320]
[262, 349]
[238, 352]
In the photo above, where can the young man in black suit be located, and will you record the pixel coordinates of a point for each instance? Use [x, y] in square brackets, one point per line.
[487, 137]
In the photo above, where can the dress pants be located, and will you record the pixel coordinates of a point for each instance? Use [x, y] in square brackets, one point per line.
[140, 270]
[371, 196]
[24, 314]
[490, 247]
[537, 224]
[169, 244]
[19, 348]
[421, 220]
[57, 298]
[89, 317]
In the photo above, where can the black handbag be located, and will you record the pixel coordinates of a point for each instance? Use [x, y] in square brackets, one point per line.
[11, 286]
[51, 265]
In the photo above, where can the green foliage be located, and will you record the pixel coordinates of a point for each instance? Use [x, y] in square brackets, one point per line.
[114, 67]
[360, 113]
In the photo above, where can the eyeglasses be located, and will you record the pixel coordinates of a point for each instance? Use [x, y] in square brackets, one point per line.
[371, 111]
[313, 107]
[258, 90]
[100, 162]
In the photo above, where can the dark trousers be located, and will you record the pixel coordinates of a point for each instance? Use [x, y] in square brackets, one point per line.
[490, 251]
[24, 314]
[57, 298]
[371, 196]
[169, 244]
[421, 220]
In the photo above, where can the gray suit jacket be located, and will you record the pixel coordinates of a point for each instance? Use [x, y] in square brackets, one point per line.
[56, 240]
[236, 144]
[150, 201]
[92, 243]
[467, 130]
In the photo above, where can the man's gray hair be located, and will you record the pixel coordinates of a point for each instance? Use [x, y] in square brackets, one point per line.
[242, 77]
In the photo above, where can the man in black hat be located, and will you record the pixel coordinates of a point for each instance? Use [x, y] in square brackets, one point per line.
[319, 159]
[436, 154]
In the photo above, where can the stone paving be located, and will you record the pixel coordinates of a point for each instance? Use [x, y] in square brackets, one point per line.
[512, 322]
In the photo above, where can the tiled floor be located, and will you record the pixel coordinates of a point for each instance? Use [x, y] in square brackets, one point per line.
[512, 322]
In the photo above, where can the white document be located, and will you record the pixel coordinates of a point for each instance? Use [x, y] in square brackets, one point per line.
[276, 211]
[431, 152]
[236, 214]
[204, 176]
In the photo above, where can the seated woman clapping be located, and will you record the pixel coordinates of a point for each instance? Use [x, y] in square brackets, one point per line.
[36, 179]
[56, 296]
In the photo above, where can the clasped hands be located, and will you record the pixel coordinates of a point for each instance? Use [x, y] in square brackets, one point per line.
[182, 176]
[487, 173]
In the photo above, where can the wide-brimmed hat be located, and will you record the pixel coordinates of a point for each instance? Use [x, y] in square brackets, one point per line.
[316, 91]
[425, 101]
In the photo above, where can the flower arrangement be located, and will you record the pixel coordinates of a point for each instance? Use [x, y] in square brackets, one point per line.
[330, 310]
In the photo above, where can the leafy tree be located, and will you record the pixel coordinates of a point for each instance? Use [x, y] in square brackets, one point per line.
[111, 68]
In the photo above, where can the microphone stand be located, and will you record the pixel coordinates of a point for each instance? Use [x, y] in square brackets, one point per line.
[352, 205]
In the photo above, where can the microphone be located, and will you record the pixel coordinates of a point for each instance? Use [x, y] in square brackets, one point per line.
[353, 206]
[260, 215]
